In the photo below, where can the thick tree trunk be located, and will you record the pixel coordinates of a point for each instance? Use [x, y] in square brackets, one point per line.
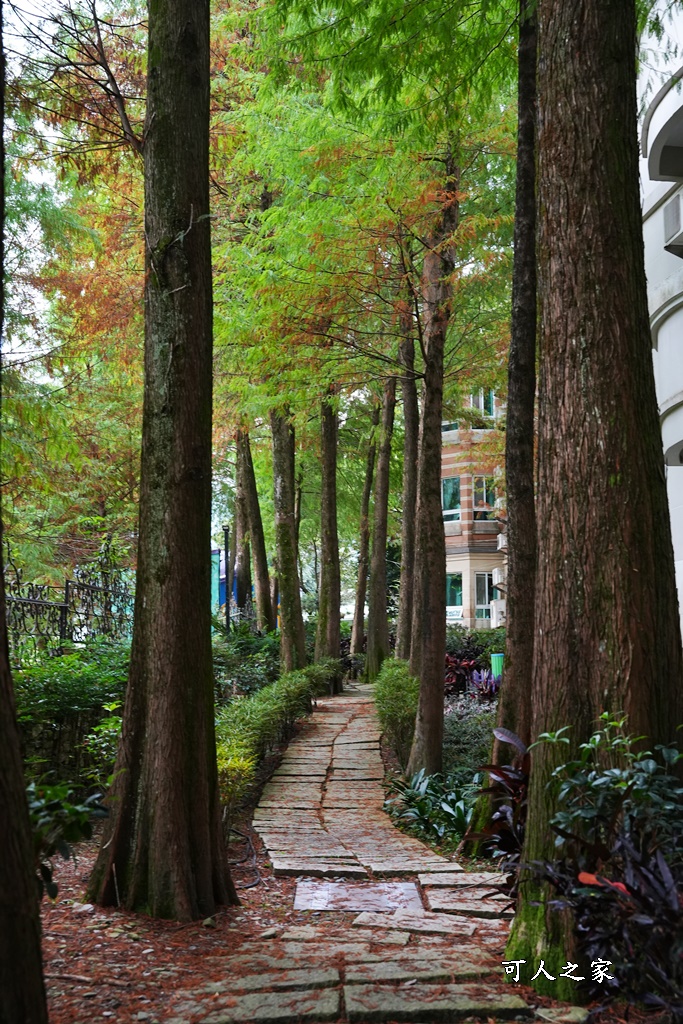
[329, 615]
[607, 629]
[162, 849]
[358, 628]
[242, 547]
[264, 608]
[292, 636]
[428, 637]
[411, 429]
[22, 992]
[378, 622]
[514, 706]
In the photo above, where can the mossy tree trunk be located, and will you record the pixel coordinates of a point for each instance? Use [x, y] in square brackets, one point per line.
[358, 628]
[292, 636]
[265, 617]
[162, 850]
[378, 622]
[607, 628]
[411, 428]
[428, 636]
[514, 706]
[22, 991]
[329, 615]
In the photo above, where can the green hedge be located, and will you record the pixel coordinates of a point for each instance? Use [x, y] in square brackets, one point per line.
[396, 696]
[248, 727]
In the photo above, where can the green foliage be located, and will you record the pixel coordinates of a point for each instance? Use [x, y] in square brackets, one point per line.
[619, 869]
[102, 743]
[57, 822]
[475, 644]
[614, 787]
[84, 679]
[396, 696]
[435, 807]
[249, 726]
[243, 661]
[468, 726]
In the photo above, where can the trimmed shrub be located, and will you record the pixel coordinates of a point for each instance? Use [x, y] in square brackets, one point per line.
[250, 726]
[243, 660]
[396, 696]
[467, 737]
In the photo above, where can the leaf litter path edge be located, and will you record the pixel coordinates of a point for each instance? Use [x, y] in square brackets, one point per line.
[423, 950]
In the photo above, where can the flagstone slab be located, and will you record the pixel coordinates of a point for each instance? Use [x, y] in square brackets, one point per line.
[413, 921]
[389, 970]
[468, 903]
[277, 1008]
[283, 978]
[428, 1003]
[380, 897]
[357, 774]
[476, 879]
[292, 868]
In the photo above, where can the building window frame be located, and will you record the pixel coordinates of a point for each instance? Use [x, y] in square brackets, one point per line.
[483, 498]
[453, 512]
[484, 594]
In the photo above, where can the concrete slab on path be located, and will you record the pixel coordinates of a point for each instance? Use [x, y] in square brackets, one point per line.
[380, 897]
[465, 879]
[428, 1003]
[284, 867]
[416, 921]
[468, 903]
[278, 1008]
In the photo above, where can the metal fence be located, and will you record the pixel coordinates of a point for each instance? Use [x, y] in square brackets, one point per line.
[40, 617]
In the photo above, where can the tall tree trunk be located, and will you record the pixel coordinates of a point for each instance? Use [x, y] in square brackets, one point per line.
[514, 705]
[428, 637]
[329, 613]
[378, 623]
[298, 503]
[242, 546]
[22, 992]
[607, 628]
[358, 628]
[264, 608]
[162, 849]
[411, 428]
[292, 636]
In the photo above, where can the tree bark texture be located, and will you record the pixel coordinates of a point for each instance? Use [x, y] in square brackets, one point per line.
[514, 706]
[242, 546]
[292, 636]
[428, 636]
[329, 601]
[411, 428]
[607, 628]
[378, 623]
[265, 617]
[162, 849]
[358, 628]
[22, 991]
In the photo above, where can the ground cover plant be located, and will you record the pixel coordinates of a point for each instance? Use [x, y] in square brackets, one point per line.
[244, 659]
[619, 869]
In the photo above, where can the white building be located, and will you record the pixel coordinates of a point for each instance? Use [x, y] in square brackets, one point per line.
[662, 183]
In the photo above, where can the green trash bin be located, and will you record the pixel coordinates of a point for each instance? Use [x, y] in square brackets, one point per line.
[497, 665]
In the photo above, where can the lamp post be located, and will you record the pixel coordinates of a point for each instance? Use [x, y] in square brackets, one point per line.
[226, 542]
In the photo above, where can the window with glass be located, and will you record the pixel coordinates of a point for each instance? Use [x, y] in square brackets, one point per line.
[450, 425]
[484, 401]
[450, 498]
[484, 497]
[454, 589]
[484, 593]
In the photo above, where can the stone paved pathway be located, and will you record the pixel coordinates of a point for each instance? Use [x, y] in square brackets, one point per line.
[424, 948]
